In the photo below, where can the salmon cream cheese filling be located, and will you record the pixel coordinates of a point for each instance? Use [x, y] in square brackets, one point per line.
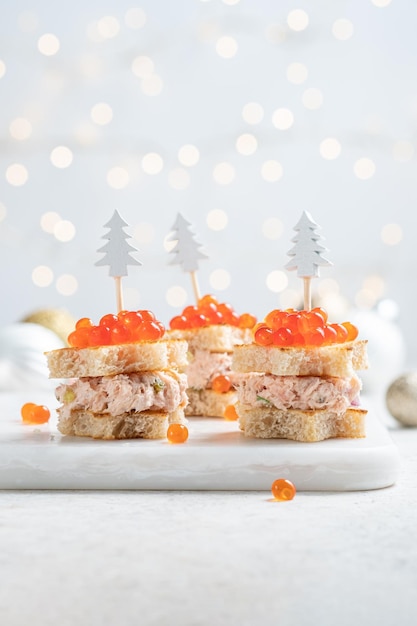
[124, 393]
[298, 392]
[204, 366]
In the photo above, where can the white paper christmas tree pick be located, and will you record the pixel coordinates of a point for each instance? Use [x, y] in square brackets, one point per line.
[307, 254]
[117, 253]
[186, 250]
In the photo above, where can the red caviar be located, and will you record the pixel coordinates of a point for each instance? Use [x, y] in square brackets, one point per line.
[301, 328]
[35, 413]
[283, 489]
[230, 413]
[221, 384]
[177, 433]
[126, 327]
[209, 311]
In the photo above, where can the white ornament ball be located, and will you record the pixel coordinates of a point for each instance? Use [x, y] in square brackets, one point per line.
[401, 399]
[23, 365]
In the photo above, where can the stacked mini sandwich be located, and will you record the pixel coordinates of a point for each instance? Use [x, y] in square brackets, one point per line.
[212, 330]
[297, 380]
[127, 378]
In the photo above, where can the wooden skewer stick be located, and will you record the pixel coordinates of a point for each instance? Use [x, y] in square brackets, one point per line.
[196, 287]
[307, 293]
[119, 293]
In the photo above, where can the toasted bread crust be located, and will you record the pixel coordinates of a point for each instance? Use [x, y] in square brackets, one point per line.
[339, 360]
[215, 338]
[144, 425]
[117, 359]
[208, 403]
[297, 425]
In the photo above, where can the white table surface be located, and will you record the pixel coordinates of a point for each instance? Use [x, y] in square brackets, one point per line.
[212, 558]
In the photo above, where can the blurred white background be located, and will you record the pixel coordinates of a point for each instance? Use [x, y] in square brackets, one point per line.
[239, 114]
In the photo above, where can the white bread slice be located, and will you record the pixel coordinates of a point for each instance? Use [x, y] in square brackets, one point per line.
[117, 359]
[208, 403]
[215, 338]
[145, 425]
[307, 426]
[339, 360]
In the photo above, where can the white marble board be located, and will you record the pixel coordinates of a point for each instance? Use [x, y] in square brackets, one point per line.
[215, 457]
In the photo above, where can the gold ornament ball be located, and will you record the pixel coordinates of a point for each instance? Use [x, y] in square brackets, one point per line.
[401, 399]
[59, 321]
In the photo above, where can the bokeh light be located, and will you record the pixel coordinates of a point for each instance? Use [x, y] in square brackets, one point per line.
[403, 151]
[20, 128]
[101, 113]
[365, 299]
[144, 233]
[48, 44]
[64, 230]
[108, 27]
[217, 219]
[220, 279]
[364, 168]
[17, 174]
[188, 155]
[297, 73]
[135, 18]
[312, 98]
[272, 228]
[271, 171]
[118, 177]
[226, 47]
[282, 118]
[376, 284]
[49, 220]
[391, 234]
[176, 296]
[179, 178]
[152, 163]
[143, 66]
[342, 29]
[330, 148]
[61, 157]
[151, 85]
[297, 20]
[66, 285]
[224, 173]
[253, 113]
[42, 276]
[277, 281]
[276, 33]
[246, 144]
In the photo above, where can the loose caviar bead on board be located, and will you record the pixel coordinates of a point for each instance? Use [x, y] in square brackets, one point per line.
[177, 433]
[230, 413]
[35, 413]
[27, 410]
[283, 489]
